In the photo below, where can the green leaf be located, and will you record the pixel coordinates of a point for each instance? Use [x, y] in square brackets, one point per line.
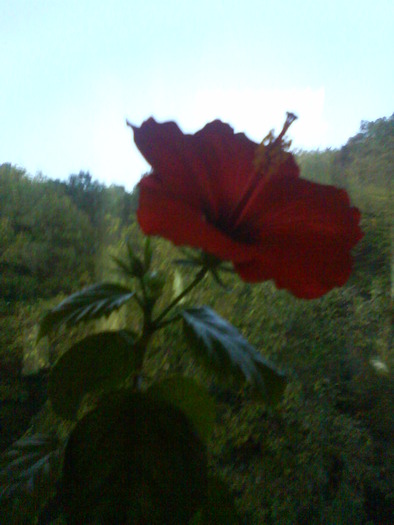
[229, 354]
[28, 471]
[216, 277]
[191, 398]
[219, 508]
[123, 267]
[98, 362]
[133, 266]
[91, 303]
[134, 460]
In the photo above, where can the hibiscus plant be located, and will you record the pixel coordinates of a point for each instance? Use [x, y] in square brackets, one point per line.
[136, 452]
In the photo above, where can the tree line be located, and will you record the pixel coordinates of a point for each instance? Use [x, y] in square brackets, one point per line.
[51, 231]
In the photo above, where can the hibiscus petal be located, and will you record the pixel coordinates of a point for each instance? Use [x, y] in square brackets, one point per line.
[307, 272]
[210, 170]
[230, 157]
[160, 213]
[166, 149]
[306, 232]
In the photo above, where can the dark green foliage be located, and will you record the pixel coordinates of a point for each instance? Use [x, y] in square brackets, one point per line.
[219, 508]
[373, 254]
[192, 399]
[87, 195]
[134, 460]
[45, 241]
[97, 201]
[123, 475]
[315, 459]
[121, 469]
[51, 232]
[224, 350]
[98, 363]
[30, 467]
[21, 396]
[368, 157]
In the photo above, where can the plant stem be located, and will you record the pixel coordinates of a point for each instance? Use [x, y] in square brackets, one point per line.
[143, 342]
[138, 300]
[160, 325]
[150, 326]
[198, 278]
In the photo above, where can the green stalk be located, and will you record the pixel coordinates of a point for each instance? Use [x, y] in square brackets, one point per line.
[150, 325]
[148, 330]
[199, 277]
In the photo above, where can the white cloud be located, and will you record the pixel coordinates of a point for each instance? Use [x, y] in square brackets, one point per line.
[256, 112]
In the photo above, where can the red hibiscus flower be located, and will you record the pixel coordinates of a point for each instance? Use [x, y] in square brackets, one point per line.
[245, 203]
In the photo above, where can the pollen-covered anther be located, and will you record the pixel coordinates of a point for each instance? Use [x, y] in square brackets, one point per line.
[273, 151]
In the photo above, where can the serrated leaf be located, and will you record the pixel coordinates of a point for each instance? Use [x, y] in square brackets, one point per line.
[216, 277]
[229, 354]
[28, 470]
[91, 303]
[123, 266]
[191, 398]
[134, 456]
[98, 362]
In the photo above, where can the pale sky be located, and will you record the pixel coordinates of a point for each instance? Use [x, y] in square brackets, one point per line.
[72, 71]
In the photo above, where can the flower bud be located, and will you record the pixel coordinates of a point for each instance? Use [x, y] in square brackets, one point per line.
[137, 267]
[154, 283]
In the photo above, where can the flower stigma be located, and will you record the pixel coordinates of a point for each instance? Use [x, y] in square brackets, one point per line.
[272, 151]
